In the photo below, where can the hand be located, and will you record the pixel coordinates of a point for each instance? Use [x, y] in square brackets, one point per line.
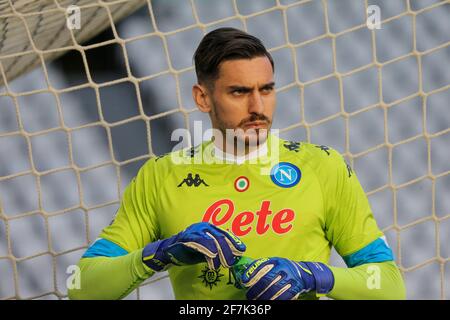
[200, 242]
[283, 279]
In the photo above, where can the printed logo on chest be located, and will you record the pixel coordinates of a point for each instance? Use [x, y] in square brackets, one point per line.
[262, 221]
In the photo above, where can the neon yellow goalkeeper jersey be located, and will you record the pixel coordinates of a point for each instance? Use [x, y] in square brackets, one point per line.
[297, 206]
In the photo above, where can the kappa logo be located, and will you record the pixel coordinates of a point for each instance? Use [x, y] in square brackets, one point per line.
[292, 146]
[285, 174]
[191, 152]
[349, 169]
[324, 149]
[190, 181]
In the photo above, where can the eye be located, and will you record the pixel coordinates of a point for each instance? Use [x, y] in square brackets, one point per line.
[267, 89]
[237, 92]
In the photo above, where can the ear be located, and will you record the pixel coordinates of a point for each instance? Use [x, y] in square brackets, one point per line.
[200, 94]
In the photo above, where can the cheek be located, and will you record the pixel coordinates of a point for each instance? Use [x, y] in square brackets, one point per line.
[229, 111]
[270, 104]
[230, 118]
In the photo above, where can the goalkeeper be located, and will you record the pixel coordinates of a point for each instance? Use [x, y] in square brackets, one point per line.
[196, 220]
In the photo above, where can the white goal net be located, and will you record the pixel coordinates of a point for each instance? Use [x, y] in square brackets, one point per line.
[82, 109]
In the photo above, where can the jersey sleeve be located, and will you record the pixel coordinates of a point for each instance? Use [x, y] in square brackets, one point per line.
[135, 224]
[349, 221]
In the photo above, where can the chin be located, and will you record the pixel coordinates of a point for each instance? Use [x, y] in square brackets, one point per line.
[254, 137]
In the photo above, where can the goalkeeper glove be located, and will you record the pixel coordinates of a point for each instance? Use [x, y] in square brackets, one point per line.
[283, 279]
[200, 242]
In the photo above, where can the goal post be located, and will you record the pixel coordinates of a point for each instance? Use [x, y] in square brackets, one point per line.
[366, 77]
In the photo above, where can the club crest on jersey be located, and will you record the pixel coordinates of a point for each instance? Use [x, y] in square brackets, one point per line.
[285, 174]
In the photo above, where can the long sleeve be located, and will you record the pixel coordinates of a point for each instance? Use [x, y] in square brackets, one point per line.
[112, 266]
[110, 277]
[372, 281]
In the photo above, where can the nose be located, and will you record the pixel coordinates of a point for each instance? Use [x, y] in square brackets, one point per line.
[256, 104]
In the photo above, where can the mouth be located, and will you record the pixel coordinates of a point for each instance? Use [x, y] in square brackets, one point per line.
[255, 125]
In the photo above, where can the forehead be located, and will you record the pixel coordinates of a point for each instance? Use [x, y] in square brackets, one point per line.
[246, 71]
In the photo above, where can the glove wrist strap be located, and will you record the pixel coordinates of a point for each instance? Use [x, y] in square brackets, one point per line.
[154, 257]
[323, 276]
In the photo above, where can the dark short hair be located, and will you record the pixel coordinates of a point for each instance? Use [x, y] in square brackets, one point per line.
[225, 44]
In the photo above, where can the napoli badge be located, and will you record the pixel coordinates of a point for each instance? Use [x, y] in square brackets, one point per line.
[285, 174]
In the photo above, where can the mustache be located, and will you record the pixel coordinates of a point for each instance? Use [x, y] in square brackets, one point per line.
[254, 117]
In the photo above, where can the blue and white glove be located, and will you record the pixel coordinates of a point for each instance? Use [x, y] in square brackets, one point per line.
[283, 279]
[200, 242]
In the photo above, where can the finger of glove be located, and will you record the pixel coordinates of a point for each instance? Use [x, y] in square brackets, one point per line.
[180, 254]
[234, 243]
[255, 271]
[202, 243]
[214, 263]
[280, 291]
[290, 294]
[224, 251]
[264, 288]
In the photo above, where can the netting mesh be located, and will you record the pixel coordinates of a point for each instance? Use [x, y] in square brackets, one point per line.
[394, 127]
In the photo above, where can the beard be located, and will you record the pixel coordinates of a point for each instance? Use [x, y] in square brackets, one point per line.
[242, 134]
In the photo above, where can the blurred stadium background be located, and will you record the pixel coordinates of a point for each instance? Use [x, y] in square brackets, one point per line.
[75, 130]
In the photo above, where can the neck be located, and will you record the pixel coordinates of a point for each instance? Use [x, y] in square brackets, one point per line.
[231, 153]
[239, 148]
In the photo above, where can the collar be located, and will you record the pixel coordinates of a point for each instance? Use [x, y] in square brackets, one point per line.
[261, 151]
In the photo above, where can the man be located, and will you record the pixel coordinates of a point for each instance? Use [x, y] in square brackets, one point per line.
[286, 221]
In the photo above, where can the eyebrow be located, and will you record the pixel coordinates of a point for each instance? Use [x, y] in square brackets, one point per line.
[244, 88]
